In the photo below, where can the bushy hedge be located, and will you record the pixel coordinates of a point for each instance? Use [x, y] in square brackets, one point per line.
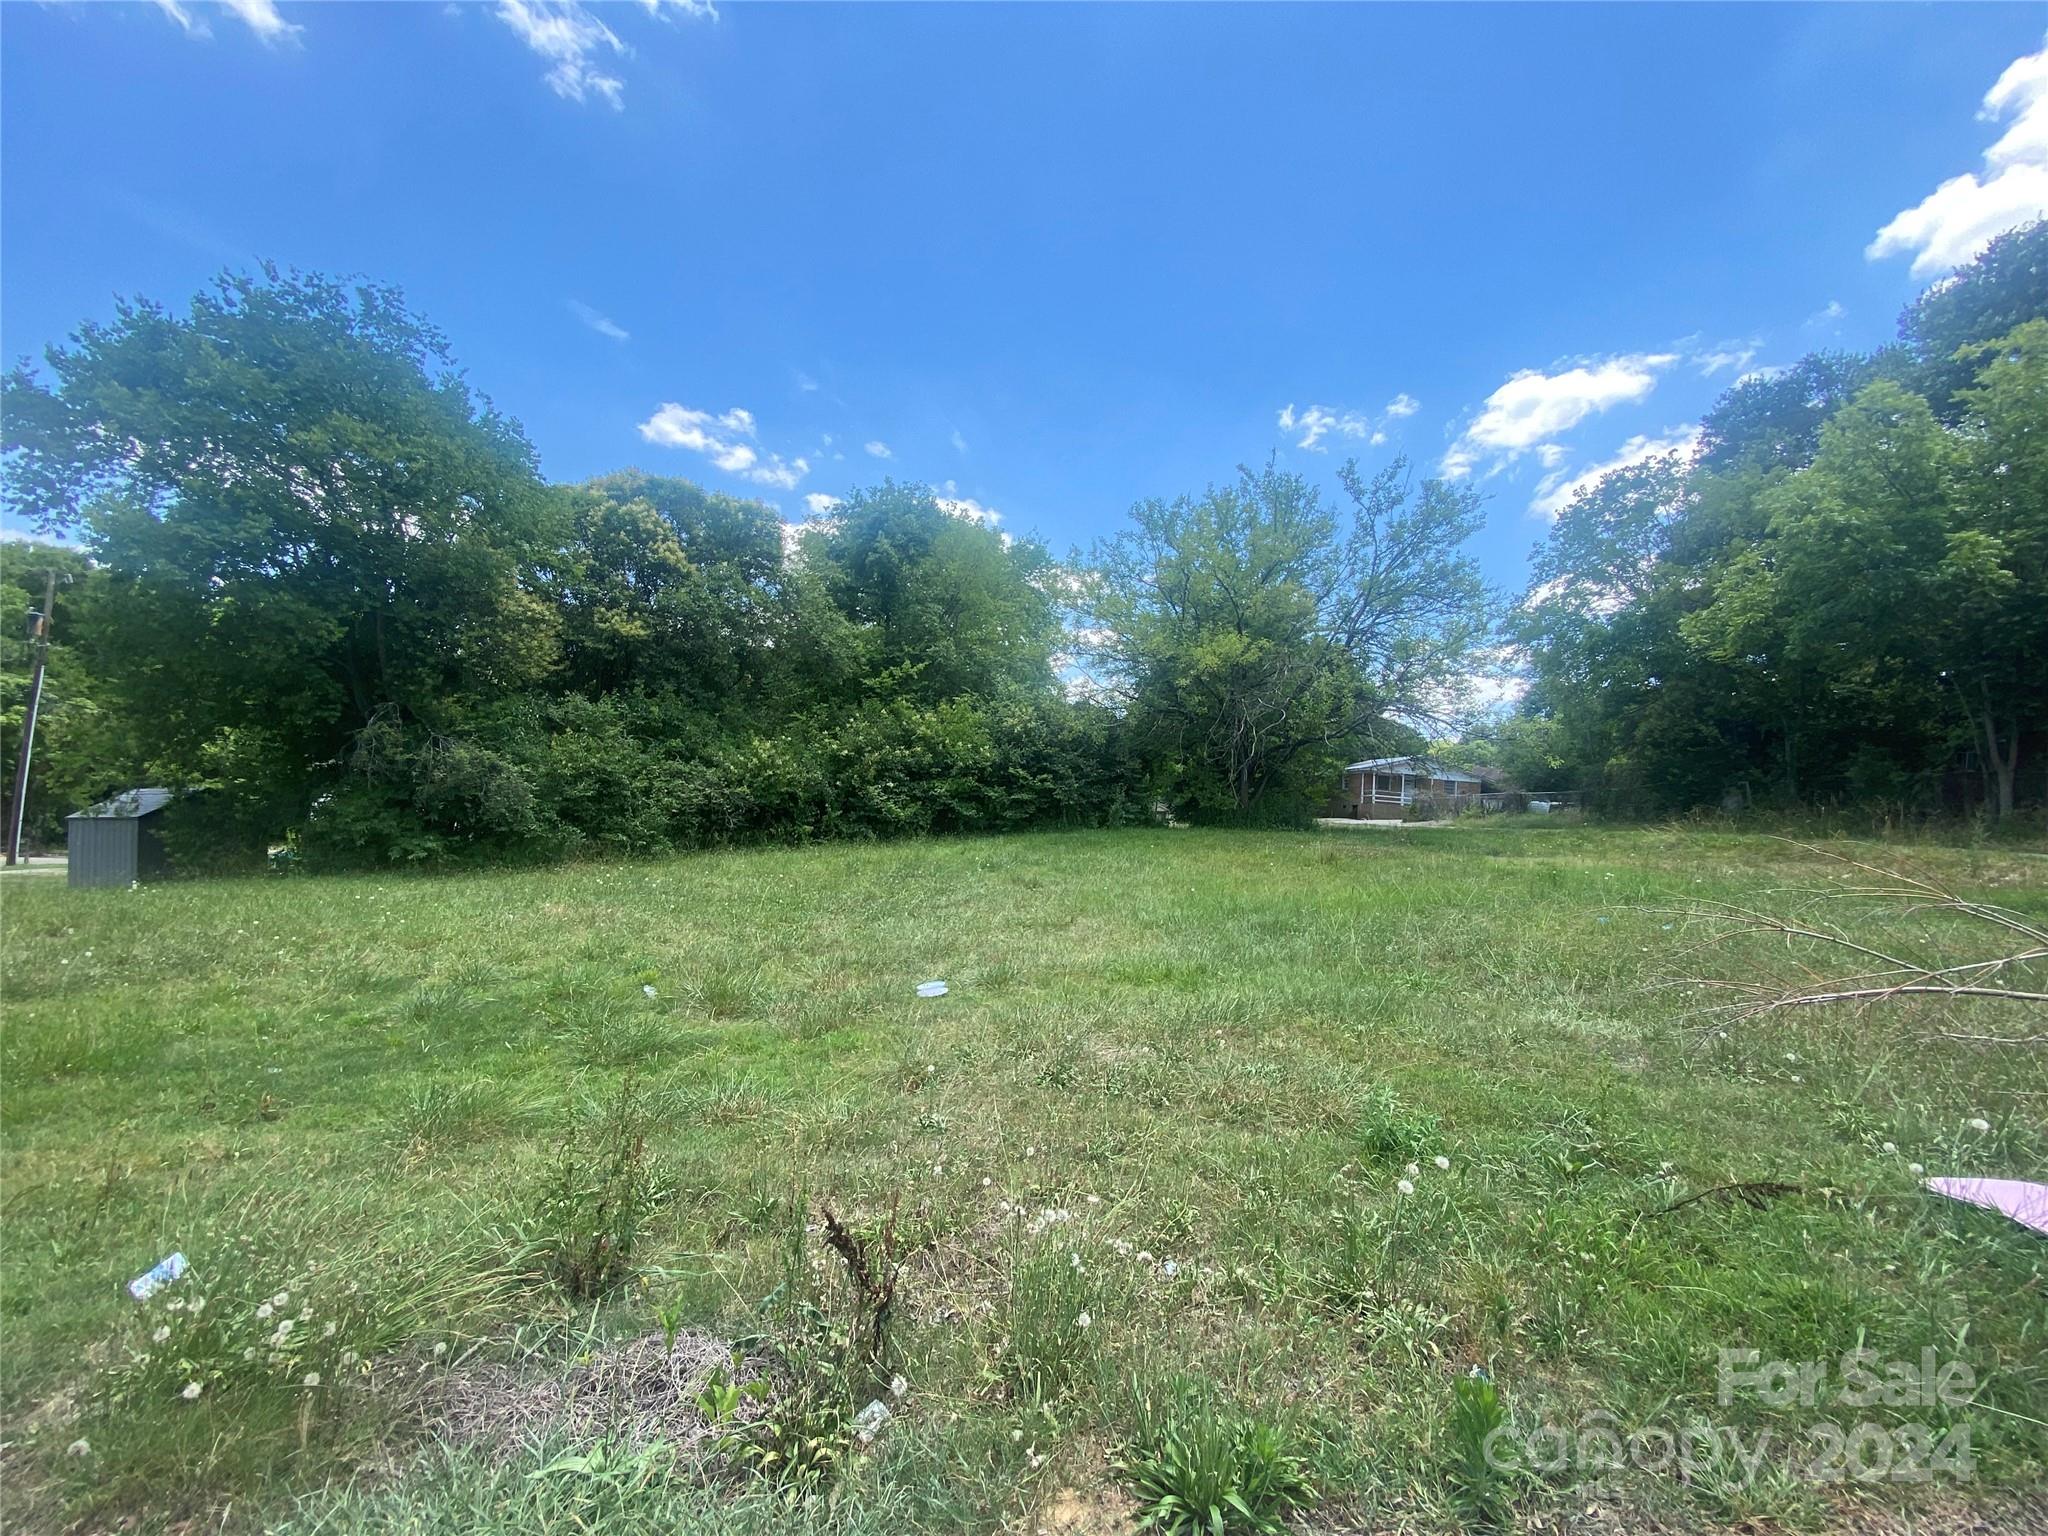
[575, 776]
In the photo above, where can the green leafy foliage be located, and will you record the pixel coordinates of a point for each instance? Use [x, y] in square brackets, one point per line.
[1839, 599]
[1198, 1466]
[1262, 638]
[592, 1206]
[1476, 1414]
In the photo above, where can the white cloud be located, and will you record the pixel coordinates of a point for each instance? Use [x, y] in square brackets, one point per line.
[1526, 414]
[880, 450]
[1555, 493]
[1317, 422]
[1828, 314]
[700, 10]
[959, 442]
[806, 385]
[260, 16]
[1727, 356]
[723, 439]
[1955, 221]
[573, 41]
[601, 323]
[820, 504]
[1768, 371]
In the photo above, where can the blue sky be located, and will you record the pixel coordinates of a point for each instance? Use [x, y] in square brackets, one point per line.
[1057, 258]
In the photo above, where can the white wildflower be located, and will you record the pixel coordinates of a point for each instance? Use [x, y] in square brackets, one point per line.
[1083, 1321]
[898, 1385]
[1891, 1149]
[281, 1299]
[263, 1312]
[312, 1378]
[1978, 1123]
[1915, 1169]
[192, 1391]
[440, 1349]
[648, 990]
[249, 1353]
[78, 1448]
[327, 1329]
[1404, 1186]
[161, 1335]
[349, 1357]
[1413, 1170]
[1442, 1162]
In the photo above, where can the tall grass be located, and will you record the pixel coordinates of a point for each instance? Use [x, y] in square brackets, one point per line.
[1218, 1054]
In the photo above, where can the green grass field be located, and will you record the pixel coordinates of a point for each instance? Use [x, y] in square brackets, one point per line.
[1175, 1086]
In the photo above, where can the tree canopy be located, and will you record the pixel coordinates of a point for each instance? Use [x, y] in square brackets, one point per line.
[1842, 596]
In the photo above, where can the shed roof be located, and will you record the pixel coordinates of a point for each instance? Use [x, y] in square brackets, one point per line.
[1412, 765]
[126, 806]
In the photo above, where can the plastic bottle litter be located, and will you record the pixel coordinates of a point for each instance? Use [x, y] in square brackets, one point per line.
[142, 1287]
[931, 989]
[869, 1421]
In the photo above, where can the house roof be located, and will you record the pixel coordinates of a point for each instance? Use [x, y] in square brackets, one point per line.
[126, 806]
[1421, 765]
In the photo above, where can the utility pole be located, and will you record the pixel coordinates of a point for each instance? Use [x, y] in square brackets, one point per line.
[39, 638]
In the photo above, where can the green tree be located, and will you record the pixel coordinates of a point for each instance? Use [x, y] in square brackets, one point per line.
[308, 520]
[943, 605]
[664, 589]
[84, 749]
[2001, 290]
[1257, 635]
[1992, 587]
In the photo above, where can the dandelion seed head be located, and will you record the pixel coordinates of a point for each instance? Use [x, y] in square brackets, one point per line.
[1405, 1186]
[1442, 1162]
[192, 1391]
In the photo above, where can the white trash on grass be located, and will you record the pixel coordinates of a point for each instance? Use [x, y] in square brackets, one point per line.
[931, 989]
[869, 1421]
[142, 1287]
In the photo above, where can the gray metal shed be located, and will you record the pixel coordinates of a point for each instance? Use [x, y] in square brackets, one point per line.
[118, 841]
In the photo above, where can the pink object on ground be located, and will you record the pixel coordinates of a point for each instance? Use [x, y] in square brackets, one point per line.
[2025, 1203]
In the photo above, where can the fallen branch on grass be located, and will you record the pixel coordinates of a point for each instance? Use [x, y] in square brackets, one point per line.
[1754, 1193]
[1898, 975]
